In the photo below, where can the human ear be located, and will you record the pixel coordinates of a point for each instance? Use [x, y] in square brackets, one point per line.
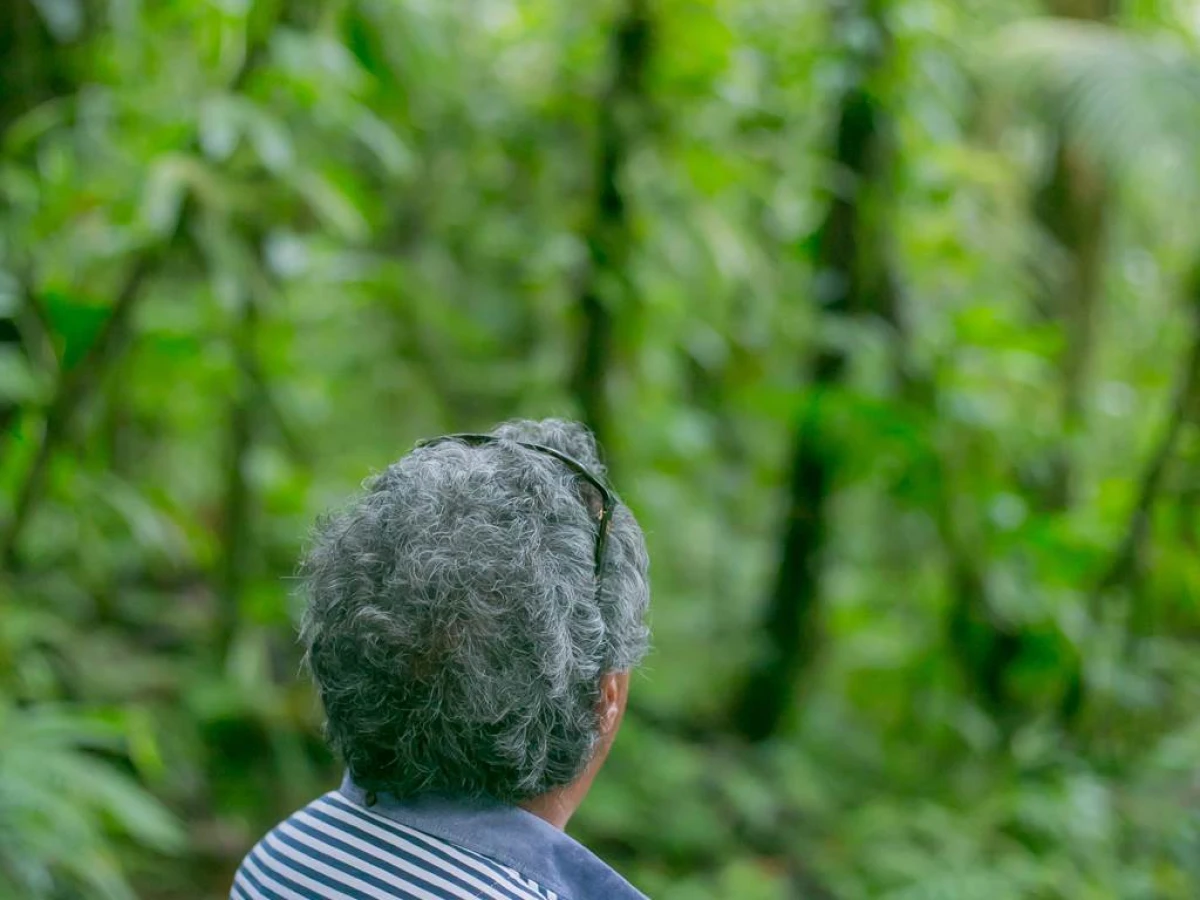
[614, 694]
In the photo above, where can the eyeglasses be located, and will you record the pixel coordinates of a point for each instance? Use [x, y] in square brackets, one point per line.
[608, 498]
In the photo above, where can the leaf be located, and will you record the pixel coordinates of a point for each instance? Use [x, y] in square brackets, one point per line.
[165, 189]
[131, 809]
[76, 321]
[219, 126]
[270, 139]
[58, 801]
[18, 382]
[333, 206]
[392, 153]
[1122, 93]
[64, 18]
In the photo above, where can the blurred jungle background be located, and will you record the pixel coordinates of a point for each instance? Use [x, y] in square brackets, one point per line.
[886, 311]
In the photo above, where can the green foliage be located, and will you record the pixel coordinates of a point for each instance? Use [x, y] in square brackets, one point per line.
[251, 251]
[1134, 98]
[59, 804]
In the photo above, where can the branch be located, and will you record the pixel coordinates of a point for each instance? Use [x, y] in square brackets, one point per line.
[74, 388]
[257, 378]
[1124, 563]
[78, 385]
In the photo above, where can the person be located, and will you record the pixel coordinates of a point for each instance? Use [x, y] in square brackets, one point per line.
[471, 623]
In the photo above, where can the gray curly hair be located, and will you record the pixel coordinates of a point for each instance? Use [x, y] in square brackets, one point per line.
[453, 625]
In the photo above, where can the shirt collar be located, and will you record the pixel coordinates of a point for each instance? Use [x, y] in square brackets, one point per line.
[509, 835]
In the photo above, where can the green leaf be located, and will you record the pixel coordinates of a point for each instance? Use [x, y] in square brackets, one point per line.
[76, 321]
[1124, 94]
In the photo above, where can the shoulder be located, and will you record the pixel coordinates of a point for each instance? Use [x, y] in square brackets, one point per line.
[335, 848]
[518, 843]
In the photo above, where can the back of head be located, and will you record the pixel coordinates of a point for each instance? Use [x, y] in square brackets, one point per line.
[453, 623]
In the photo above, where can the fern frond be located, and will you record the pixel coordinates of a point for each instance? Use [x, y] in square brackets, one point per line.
[61, 806]
[1132, 99]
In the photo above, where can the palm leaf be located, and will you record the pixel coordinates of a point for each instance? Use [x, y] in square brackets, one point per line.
[60, 805]
[1133, 99]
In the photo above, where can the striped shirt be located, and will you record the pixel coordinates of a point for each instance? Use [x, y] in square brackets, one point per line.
[337, 848]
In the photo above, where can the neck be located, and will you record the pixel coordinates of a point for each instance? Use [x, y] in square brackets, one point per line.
[556, 807]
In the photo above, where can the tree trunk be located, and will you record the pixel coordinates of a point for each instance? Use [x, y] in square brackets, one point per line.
[33, 65]
[607, 234]
[853, 280]
[238, 538]
[1072, 206]
[34, 68]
